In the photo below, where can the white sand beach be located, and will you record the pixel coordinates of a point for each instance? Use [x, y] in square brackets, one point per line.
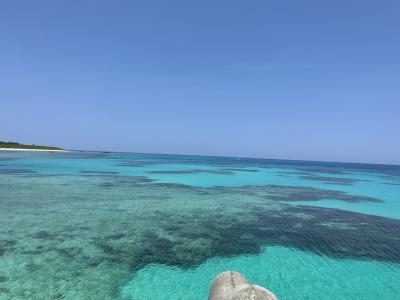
[45, 150]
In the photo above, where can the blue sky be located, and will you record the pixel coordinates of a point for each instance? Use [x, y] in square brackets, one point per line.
[312, 80]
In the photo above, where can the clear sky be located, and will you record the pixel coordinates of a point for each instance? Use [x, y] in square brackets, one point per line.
[312, 80]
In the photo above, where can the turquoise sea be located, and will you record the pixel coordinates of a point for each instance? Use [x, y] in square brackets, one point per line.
[93, 225]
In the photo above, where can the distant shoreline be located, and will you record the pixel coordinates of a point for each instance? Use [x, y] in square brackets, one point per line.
[31, 149]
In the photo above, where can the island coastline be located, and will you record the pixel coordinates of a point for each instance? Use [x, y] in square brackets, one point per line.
[14, 146]
[31, 149]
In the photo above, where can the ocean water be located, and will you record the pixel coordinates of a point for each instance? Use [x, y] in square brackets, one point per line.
[92, 225]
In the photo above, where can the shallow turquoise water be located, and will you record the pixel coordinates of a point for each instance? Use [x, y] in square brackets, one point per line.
[287, 272]
[89, 225]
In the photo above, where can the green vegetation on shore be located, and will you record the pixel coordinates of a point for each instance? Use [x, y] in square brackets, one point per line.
[13, 145]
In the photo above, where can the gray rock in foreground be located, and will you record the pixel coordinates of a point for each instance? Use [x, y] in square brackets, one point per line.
[232, 285]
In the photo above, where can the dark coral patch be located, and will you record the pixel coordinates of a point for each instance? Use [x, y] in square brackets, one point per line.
[195, 171]
[69, 252]
[118, 181]
[391, 183]
[290, 193]
[330, 232]
[297, 173]
[326, 170]
[45, 235]
[323, 179]
[99, 172]
[7, 245]
[173, 172]
[241, 170]
[295, 193]
[115, 236]
[330, 180]
[138, 163]
[16, 171]
[335, 233]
